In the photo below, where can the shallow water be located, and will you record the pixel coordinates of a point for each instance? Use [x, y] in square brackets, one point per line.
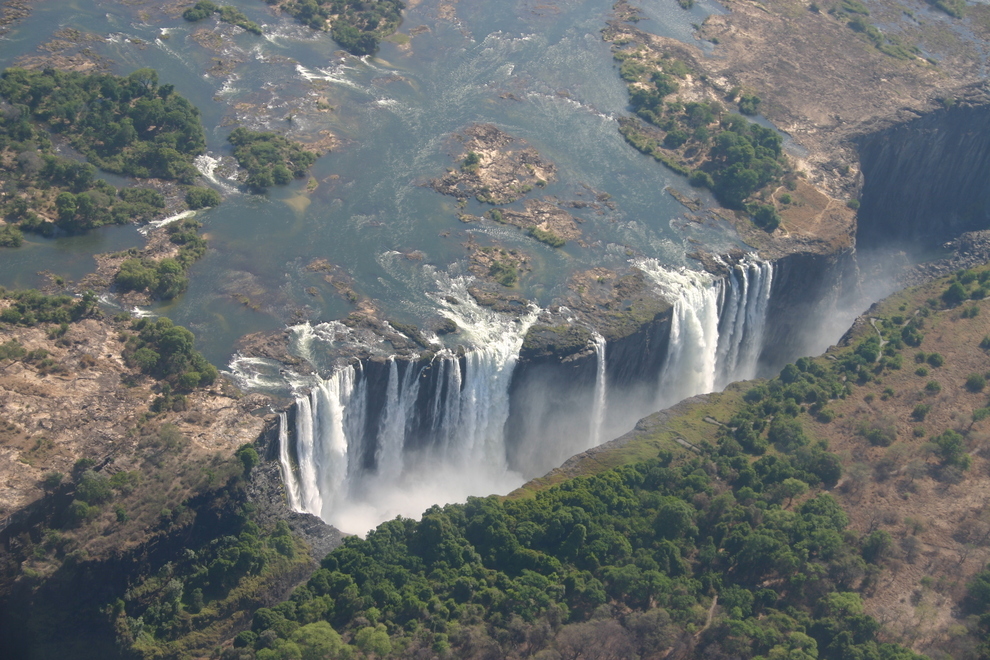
[396, 116]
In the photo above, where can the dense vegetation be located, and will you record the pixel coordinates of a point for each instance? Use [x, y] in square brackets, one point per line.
[126, 125]
[30, 308]
[718, 150]
[228, 14]
[269, 158]
[356, 25]
[166, 352]
[164, 278]
[188, 556]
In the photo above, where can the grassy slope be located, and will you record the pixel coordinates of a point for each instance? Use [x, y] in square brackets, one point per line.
[937, 518]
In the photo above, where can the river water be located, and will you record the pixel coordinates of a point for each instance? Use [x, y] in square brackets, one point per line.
[538, 70]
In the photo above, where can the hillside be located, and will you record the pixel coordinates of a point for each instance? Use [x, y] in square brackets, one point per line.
[912, 440]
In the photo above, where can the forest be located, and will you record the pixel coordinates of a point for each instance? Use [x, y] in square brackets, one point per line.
[126, 125]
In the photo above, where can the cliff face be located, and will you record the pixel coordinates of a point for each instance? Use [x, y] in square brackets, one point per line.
[552, 395]
[813, 297]
[925, 181]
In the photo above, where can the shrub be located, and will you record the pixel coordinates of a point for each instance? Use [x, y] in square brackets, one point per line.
[201, 10]
[935, 359]
[976, 382]
[198, 197]
[787, 434]
[749, 104]
[920, 412]
[701, 179]
[52, 480]
[950, 448]
[248, 457]
[765, 217]
[933, 387]
[954, 295]
[503, 273]
[880, 432]
[548, 237]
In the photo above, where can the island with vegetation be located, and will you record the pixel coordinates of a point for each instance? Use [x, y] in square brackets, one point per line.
[269, 158]
[226, 13]
[125, 125]
[356, 25]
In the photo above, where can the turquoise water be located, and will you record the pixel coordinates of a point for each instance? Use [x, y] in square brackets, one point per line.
[395, 116]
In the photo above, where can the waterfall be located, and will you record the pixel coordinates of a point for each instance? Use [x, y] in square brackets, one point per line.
[598, 409]
[745, 296]
[716, 330]
[393, 435]
[288, 476]
[323, 419]
[382, 439]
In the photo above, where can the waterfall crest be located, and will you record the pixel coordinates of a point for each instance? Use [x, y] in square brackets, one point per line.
[382, 438]
[716, 330]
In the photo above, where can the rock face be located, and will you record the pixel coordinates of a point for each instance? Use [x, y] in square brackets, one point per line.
[925, 180]
[808, 290]
[267, 492]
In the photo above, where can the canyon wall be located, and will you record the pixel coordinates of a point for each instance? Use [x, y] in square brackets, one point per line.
[925, 180]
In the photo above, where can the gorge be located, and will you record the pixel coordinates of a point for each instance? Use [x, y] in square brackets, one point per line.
[403, 349]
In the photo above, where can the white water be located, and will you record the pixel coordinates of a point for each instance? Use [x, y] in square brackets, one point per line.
[440, 445]
[288, 478]
[166, 221]
[400, 435]
[742, 318]
[716, 331]
[601, 391]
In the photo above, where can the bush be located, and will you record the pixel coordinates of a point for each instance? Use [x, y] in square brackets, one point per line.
[976, 382]
[881, 432]
[954, 295]
[701, 179]
[935, 359]
[765, 217]
[503, 273]
[202, 9]
[933, 387]
[248, 457]
[548, 237]
[749, 104]
[198, 197]
[920, 412]
[787, 434]
[11, 237]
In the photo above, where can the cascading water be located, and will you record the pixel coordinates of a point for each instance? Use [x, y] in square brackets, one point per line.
[716, 331]
[391, 436]
[370, 447]
[288, 478]
[601, 391]
[743, 303]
